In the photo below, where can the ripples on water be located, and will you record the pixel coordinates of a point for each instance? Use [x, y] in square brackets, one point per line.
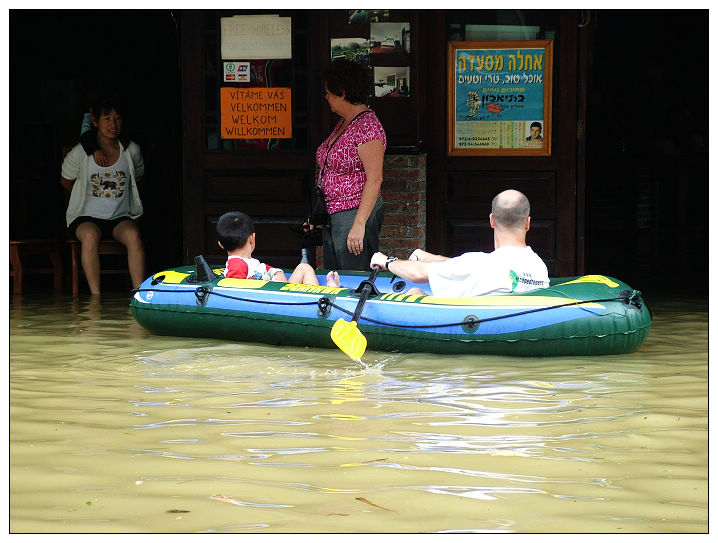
[115, 430]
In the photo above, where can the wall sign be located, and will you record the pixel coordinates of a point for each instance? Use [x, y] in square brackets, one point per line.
[500, 98]
[255, 112]
[256, 36]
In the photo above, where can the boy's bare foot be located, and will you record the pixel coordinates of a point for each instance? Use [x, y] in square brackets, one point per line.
[333, 279]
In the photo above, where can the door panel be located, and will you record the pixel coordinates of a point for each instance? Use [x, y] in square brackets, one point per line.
[276, 244]
[469, 196]
[268, 180]
[257, 187]
[460, 189]
[273, 198]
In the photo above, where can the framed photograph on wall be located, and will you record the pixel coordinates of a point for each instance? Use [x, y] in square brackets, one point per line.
[499, 98]
[356, 49]
[390, 38]
[391, 81]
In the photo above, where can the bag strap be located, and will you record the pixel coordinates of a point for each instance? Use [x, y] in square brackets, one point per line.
[329, 147]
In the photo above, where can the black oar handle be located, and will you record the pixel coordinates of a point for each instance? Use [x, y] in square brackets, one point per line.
[365, 293]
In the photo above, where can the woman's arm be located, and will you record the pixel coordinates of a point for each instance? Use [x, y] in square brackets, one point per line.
[70, 168]
[137, 160]
[67, 183]
[139, 166]
[371, 154]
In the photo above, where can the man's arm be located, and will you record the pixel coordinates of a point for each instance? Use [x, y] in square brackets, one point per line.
[425, 256]
[88, 139]
[410, 270]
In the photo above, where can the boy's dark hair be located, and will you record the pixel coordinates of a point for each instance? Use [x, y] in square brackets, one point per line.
[350, 78]
[234, 229]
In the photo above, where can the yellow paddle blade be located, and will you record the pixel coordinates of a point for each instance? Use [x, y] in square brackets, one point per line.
[349, 339]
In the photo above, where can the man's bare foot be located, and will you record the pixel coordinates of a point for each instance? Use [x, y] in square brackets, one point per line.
[333, 279]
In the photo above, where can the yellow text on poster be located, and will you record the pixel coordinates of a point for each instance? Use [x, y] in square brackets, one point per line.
[256, 113]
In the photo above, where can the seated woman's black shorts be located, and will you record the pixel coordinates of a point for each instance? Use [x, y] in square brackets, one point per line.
[106, 226]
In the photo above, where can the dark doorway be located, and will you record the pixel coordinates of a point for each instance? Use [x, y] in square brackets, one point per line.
[57, 59]
[647, 149]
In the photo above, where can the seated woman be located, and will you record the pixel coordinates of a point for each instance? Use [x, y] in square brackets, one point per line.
[104, 200]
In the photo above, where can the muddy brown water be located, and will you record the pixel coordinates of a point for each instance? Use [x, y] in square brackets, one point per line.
[113, 429]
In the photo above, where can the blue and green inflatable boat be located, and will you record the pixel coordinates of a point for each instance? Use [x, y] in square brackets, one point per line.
[575, 316]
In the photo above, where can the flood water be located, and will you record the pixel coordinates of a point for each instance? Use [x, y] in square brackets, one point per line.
[115, 430]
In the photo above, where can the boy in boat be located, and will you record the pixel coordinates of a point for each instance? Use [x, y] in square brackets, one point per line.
[236, 234]
[511, 267]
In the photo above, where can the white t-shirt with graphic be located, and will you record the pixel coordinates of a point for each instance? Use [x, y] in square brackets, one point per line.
[505, 270]
[108, 195]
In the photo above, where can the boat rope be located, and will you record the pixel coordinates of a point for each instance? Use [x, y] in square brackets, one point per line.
[205, 291]
[627, 297]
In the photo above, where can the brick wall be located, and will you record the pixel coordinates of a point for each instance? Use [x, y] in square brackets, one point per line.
[404, 193]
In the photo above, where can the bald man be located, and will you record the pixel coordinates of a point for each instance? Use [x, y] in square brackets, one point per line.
[511, 267]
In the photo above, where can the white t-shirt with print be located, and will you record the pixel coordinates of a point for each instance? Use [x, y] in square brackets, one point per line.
[505, 270]
[108, 195]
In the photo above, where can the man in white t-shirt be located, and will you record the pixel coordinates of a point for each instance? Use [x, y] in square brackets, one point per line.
[511, 267]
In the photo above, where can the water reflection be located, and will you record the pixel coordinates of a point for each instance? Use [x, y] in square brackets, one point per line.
[113, 429]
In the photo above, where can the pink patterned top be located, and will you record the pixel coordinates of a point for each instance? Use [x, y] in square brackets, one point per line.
[343, 177]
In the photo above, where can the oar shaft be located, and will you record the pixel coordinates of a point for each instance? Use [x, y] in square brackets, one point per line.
[365, 294]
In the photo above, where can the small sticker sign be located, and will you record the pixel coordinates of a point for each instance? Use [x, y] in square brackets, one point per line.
[256, 113]
[236, 72]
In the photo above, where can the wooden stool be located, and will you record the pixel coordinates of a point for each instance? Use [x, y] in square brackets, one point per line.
[107, 247]
[50, 247]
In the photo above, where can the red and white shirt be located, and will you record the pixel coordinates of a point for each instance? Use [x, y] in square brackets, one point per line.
[248, 268]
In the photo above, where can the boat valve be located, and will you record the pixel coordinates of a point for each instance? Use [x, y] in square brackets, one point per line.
[202, 295]
[631, 297]
[470, 324]
[324, 307]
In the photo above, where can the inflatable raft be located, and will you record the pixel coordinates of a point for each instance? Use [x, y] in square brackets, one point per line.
[589, 315]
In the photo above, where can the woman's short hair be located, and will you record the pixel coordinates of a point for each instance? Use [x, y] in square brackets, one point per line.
[350, 78]
[234, 229]
[105, 104]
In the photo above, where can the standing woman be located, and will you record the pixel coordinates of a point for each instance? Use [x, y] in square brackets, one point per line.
[351, 162]
[104, 200]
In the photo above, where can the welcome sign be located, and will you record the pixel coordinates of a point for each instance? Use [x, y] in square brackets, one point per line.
[256, 113]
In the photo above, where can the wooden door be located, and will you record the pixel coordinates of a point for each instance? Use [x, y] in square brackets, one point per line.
[460, 188]
[267, 179]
